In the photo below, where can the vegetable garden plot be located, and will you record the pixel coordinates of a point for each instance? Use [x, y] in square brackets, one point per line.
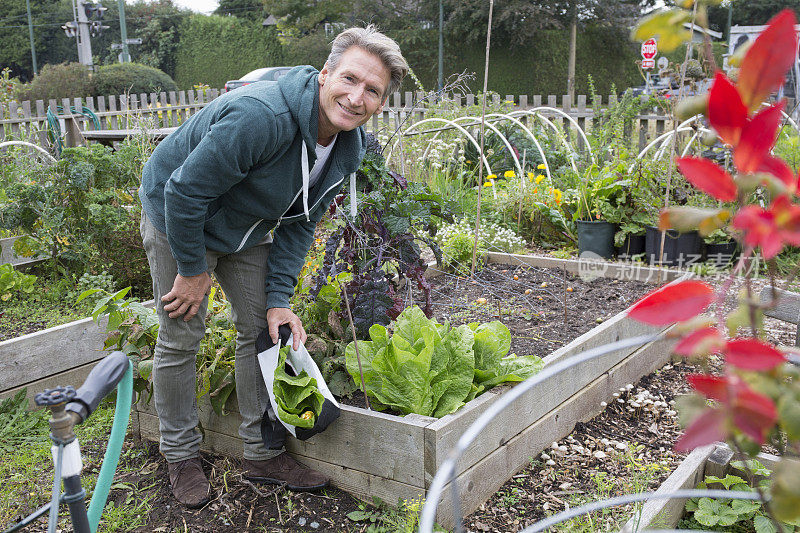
[370, 453]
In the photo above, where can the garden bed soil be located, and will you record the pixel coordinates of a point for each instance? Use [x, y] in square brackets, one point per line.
[538, 322]
[637, 440]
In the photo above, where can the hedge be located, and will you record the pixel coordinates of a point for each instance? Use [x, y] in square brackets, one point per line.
[121, 78]
[214, 49]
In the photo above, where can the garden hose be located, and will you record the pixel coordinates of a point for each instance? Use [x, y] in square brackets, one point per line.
[54, 128]
[111, 458]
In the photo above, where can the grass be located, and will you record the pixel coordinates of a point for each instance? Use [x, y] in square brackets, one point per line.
[26, 466]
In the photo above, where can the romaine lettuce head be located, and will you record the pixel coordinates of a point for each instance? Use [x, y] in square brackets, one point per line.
[423, 368]
[492, 363]
[296, 395]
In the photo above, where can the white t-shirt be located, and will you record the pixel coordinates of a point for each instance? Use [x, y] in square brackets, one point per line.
[323, 152]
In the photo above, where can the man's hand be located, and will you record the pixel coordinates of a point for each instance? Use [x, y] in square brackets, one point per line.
[186, 295]
[281, 315]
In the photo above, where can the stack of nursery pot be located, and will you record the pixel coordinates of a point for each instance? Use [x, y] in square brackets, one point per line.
[679, 248]
[596, 236]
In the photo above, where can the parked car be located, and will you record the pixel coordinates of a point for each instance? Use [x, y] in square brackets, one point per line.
[261, 74]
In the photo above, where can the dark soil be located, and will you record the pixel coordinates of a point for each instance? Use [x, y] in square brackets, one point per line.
[627, 448]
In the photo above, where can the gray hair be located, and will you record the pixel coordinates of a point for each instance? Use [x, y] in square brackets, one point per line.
[374, 42]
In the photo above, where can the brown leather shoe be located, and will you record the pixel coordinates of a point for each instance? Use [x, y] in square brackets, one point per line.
[189, 484]
[284, 469]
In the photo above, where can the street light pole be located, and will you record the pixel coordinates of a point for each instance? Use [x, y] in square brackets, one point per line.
[441, 46]
[123, 29]
[30, 33]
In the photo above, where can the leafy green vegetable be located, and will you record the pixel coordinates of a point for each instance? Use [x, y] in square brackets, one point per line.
[432, 369]
[296, 396]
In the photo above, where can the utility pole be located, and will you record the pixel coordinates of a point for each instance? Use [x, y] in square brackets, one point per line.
[84, 41]
[123, 29]
[30, 32]
[441, 46]
[84, 29]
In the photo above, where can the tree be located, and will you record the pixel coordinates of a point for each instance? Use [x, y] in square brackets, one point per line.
[302, 17]
[747, 12]
[247, 9]
[52, 45]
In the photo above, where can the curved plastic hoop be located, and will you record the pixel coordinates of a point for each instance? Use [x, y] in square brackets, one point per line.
[31, 145]
[449, 123]
[571, 119]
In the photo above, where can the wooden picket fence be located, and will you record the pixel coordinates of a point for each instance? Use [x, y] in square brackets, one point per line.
[28, 120]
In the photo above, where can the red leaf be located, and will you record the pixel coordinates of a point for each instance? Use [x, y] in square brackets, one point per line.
[727, 114]
[713, 387]
[707, 428]
[752, 354]
[700, 343]
[778, 168]
[759, 229]
[765, 64]
[672, 303]
[758, 137]
[754, 414]
[708, 177]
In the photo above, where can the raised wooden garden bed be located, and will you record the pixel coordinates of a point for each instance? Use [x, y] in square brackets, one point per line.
[368, 453]
[664, 514]
[61, 355]
[7, 254]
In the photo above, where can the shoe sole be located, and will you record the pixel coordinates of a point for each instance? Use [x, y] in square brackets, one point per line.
[195, 505]
[293, 488]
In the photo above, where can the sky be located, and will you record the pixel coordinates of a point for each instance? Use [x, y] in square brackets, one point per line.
[201, 6]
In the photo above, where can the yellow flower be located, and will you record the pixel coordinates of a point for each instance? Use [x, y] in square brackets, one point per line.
[489, 183]
[542, 166]
[510, 174]
[557, 195]
[530, 176]
[491, 177]
[469, 162]
[539, 178]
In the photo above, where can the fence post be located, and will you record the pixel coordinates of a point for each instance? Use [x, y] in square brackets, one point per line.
[581, 120]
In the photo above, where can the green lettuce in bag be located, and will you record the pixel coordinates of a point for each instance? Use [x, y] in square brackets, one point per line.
[298, 397]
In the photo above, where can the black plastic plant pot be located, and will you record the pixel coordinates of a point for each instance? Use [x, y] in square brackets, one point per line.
[680, 249]
[632, 245]
[722, 254]
[596, 237]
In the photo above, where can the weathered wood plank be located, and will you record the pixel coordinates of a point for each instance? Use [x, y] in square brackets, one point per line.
[486, 476]
[39, 355]
[606, 269]
[667, 513]
[74, 376]
[384, 445]
[787, 305]
[44, 353]
[356, 482]
[442, 435]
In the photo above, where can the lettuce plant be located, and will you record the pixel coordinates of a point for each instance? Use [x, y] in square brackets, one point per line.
[298, 397]
[432, 369]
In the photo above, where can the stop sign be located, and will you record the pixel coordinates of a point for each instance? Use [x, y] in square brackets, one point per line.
[649, 49]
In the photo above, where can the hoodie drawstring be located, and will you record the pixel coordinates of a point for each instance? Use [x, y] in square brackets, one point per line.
[304, 166]
[353, 195]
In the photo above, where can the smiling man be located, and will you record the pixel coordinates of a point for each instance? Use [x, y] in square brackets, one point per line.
[237, 191]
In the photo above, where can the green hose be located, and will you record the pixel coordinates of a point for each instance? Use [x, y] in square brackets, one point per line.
[109, 467]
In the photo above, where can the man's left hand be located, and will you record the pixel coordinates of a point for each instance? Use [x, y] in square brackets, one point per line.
[277, 316]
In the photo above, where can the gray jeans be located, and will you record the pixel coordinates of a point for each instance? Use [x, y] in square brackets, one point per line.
[241, 276]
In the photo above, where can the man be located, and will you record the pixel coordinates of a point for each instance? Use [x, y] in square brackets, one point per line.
[245, 166]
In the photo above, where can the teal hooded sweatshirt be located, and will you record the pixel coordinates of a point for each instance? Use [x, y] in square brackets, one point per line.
[234, 171]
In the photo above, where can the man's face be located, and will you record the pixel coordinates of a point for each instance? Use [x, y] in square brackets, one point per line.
[351, 94]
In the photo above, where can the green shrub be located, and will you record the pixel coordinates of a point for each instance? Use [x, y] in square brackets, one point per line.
[67, 80]
[121, 78]
[215, 49]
